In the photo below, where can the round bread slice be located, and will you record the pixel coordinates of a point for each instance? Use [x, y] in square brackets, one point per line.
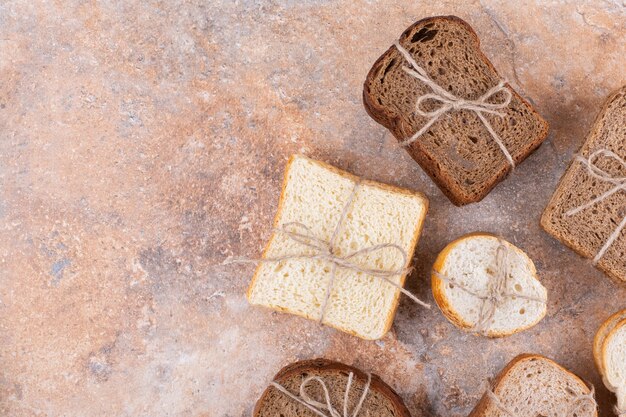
[533, 385]
[461, 279]
[600, 337]
[614, 362]
[380, 401]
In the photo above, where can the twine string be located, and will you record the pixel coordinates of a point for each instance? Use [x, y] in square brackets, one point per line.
[331, 248]
[619, 184]
[318, 407]
[497, 289]
[326, 251]
[579, 400]
[450, 102]
[496, 401]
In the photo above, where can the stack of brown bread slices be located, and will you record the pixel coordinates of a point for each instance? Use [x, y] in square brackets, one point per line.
[457, 151]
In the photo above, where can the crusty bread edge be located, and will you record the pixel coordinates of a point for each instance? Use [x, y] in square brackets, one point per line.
[387, 187]
[605, 345]
[603, 331]
[479, 410]
[442, 301]
[429, 166]
[550, 208]
[377, 383]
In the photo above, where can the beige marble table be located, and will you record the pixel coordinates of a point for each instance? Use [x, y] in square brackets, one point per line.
[142, 142]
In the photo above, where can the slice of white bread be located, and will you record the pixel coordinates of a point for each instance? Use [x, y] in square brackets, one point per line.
[532, 385]
[315, 194]
[470, 262]
[614, 362]
[609, 352]
[600, 337]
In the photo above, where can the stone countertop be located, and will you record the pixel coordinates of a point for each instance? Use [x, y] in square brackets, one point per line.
[143, 142]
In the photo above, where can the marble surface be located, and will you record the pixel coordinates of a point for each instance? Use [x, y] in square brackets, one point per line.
[143, 142]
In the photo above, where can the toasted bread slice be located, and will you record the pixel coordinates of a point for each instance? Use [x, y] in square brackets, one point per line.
[470, 263]
[316, 195]
[457, 151]
[587, 231]
[380, 401]
[532, 385]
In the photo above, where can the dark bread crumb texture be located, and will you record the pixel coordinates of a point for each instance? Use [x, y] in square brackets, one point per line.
[457, 151]
[532, 385]
[380, 401]
[587, 231]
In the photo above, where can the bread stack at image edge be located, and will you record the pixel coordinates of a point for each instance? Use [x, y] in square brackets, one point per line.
[342, 246]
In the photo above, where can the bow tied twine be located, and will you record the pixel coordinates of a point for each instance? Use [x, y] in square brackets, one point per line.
[451, 102]
[318, 407]
[326, 250]
[497, 289]
[619, 184]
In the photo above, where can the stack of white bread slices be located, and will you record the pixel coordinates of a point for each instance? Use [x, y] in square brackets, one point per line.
[609, 352]
[330, 230]
[486, 285]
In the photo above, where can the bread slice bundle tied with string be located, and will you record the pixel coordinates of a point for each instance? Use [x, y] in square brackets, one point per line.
[445, 103]
[340, 251]
[609, 352]
[533, 385]
[324, 388]
[588, 209]
[485, 285]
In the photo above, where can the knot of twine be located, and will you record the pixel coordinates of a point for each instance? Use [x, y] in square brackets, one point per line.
[497, 289]
[451, 102]
[316, 406]
[325, 250]
[573, 407]
[619, 184]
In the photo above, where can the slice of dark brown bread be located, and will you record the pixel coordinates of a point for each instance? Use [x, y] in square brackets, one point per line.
[532, 385]
[457, 151]
[588, 231]
[381, 401]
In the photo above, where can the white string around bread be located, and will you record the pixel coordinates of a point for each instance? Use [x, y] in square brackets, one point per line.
[579, 400]
[326, 250]
[319, 407]
[619, 184]
[451, 102]
[497, 289]
[619, 412]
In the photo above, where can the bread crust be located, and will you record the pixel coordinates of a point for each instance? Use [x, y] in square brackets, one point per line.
[377, 384]
[387, 187]
[444, 304]
[601, 335]
[481, 407]
[605, 345]
[569, 172]
[428, 164]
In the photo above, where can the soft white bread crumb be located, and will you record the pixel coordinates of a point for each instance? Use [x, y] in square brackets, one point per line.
[315, 195]
[598, 341]
[470, 261]
[614, 362]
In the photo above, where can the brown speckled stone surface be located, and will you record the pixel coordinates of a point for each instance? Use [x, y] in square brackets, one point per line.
[143, 142]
